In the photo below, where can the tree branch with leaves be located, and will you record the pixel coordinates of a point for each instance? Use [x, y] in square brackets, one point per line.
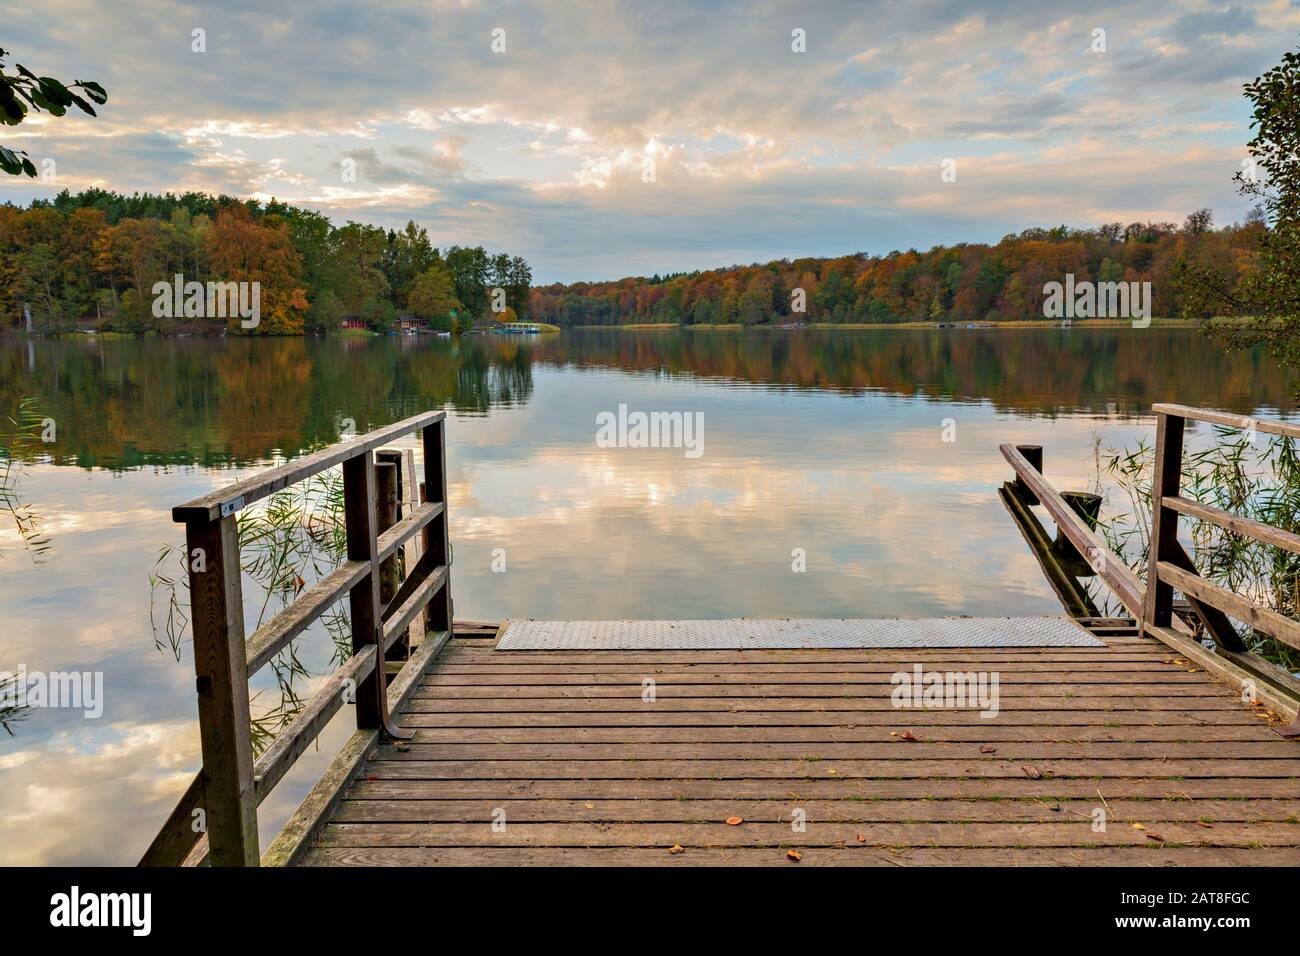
[24, 91]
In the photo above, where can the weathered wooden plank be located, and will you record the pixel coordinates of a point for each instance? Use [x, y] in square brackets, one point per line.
[897, 749]
[830, 788]
[877, 693]
[1169, 677]
[955, 766]
[666, 835]
[466, 652]
[427, 731]
[668, 703]
[1153, 664]
[1150, 856]
[750, 810]
[1065, 721]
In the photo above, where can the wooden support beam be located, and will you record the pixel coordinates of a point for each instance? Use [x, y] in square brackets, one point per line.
[217, 622]
[388, 499]
[437, 543]
[1166, 481]
[359, 510]
[1033, 454]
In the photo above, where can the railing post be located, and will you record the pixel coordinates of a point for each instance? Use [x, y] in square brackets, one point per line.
[221, 679]
[1166, 481]
[1034, 455]
[388, 477]
[436, 541]
[359, 518]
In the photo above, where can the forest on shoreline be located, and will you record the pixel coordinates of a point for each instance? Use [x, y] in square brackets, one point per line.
[960, 284]
[91, 260]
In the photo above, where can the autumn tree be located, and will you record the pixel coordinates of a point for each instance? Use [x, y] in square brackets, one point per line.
[433, 295]
[244, 250]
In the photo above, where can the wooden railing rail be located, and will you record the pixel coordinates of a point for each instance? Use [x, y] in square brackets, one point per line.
[216, 818]
[1171, 567]
[1108, 565]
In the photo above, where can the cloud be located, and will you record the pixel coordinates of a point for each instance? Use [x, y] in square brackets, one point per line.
[759, 151]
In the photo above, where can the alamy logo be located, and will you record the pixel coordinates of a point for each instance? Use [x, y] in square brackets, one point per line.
[73, 690]
[651, 430]
[74, 908]
[946, 690]
[1098, 300]
[214, 300]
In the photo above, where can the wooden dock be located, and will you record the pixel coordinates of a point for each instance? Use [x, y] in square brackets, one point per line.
[575, 767]
[1150, 749]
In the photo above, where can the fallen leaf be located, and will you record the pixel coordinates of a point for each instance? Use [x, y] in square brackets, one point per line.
[735, 821]
[589, 806]
[861, 838]
[793, 855]
[1202, 823]
[1032, 772]
[986, 749]
[831, 771]
[1156, 837]
[908, 735]
[675, 849]
[1138, 826]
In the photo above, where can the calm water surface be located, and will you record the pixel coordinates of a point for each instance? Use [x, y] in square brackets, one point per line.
[830, 442]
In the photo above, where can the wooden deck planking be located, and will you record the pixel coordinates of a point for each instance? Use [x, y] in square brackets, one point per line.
[588, 773]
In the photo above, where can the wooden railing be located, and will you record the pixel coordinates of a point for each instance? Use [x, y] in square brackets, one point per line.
[216, 819]
[1074, 526]
[1171, 567]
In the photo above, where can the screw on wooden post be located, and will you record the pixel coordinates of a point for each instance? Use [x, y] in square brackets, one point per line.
[221, 677]
[1034, 455]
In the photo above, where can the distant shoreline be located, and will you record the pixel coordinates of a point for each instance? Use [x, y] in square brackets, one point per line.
[1169, 323]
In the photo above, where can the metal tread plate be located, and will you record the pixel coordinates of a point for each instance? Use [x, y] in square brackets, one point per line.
[775, 633]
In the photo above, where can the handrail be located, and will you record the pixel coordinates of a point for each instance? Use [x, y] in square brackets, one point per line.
[1230, 659]
[1215, 417]
[1170, 566]
[1108, 565]
[216, 817]
[226, 501]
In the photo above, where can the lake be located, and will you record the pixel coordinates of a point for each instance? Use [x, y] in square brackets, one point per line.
[874, 452]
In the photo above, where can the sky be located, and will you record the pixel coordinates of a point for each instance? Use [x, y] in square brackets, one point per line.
[600, 140]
